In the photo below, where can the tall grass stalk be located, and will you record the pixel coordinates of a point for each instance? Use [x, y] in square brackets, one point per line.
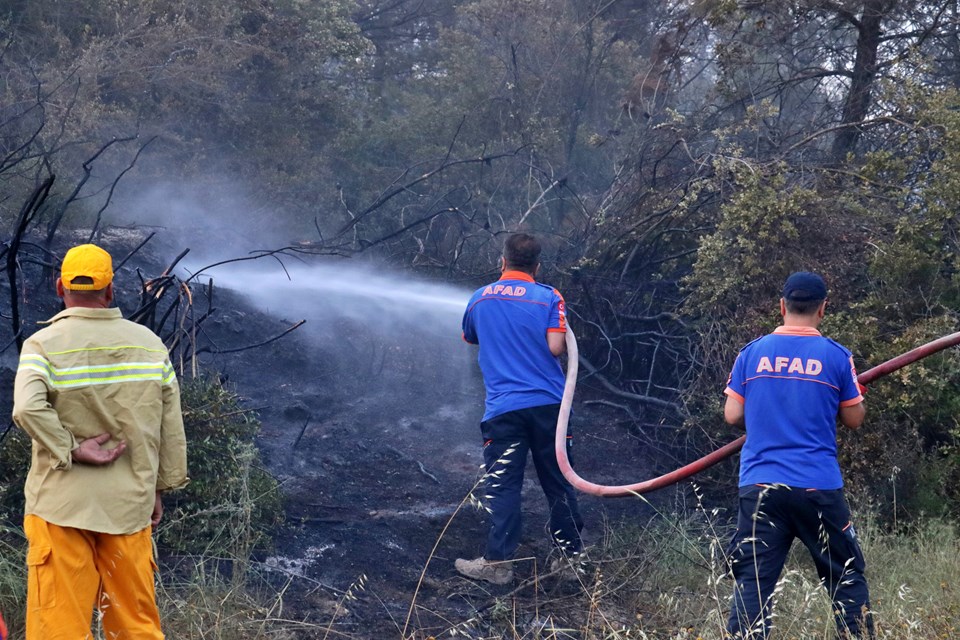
[490, 475]
[13, 578]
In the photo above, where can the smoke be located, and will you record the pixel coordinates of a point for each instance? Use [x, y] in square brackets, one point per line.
[213, 218]
[221, 220]
[395, 332]
[389, 337]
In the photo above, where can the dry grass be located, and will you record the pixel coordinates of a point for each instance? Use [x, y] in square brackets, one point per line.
[13, 578]
[662, 580]
[666, 580]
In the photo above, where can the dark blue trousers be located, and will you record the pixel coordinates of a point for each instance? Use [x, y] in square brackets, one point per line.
[769, 518]
[507, 438]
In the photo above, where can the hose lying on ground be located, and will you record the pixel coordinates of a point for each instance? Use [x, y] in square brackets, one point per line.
[617, 491]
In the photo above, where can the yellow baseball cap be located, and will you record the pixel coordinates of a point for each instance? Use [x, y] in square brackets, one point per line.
[89, 261]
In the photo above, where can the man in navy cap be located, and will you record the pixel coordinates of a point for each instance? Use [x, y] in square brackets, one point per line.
[789, 388]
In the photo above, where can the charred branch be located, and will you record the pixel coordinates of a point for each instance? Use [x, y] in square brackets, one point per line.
[664, 315]
[303, 430]
[113, 186]
[616, 405]
[87, 165]
[181, 314]
[293, 327]
[135, 251]
[19, 153]
[397, 188]
[27, 213]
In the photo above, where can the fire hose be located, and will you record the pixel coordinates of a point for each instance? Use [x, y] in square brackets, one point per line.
[724, 452]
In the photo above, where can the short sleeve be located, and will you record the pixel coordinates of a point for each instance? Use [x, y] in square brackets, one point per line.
[736, 382]
[469, 330]
[849, 387]
[558, 314]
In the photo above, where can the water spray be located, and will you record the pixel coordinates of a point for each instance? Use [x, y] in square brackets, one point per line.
[618, 491]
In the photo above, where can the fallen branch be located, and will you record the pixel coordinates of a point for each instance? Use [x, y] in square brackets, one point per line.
[303, 430]
[252, 346]
[424, 471]
[135, 250]
[615, 405]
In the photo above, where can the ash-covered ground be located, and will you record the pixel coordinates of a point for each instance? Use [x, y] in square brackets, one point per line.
[371, 422]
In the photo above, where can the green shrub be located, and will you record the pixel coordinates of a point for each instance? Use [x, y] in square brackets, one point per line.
[14, 462]
[13, 577]
[232, 504]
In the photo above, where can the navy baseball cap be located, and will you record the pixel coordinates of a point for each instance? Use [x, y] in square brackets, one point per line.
[804, 286]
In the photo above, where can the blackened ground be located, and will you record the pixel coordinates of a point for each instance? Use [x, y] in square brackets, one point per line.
[377, 446]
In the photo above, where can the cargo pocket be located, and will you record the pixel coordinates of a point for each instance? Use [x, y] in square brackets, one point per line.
[42, 584]
[146, 595]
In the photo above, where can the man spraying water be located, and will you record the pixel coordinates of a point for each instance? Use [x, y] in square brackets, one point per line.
[519, 325]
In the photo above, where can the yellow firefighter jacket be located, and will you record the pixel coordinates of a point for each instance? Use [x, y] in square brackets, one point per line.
[87, 373]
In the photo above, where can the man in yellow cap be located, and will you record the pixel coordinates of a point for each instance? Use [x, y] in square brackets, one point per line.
[99, 397]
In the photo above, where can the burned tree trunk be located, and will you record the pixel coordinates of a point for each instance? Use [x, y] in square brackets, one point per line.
[27, 214]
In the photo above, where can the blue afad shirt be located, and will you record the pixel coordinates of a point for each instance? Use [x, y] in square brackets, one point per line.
[510, 319]
[792, 384]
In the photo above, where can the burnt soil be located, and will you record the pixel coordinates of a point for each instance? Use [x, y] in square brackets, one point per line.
[376, 448]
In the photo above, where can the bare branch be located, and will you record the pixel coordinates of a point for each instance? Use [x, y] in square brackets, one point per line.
[87, 171]
[392, 193]
[636, 397]
[135, 250]
[27, 213]
[113, 186]
[254, 346]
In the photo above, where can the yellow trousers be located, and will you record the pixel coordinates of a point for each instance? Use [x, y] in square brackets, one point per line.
[71, 571]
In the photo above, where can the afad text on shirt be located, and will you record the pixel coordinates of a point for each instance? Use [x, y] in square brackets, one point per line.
[504, 290]
[783, 364]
